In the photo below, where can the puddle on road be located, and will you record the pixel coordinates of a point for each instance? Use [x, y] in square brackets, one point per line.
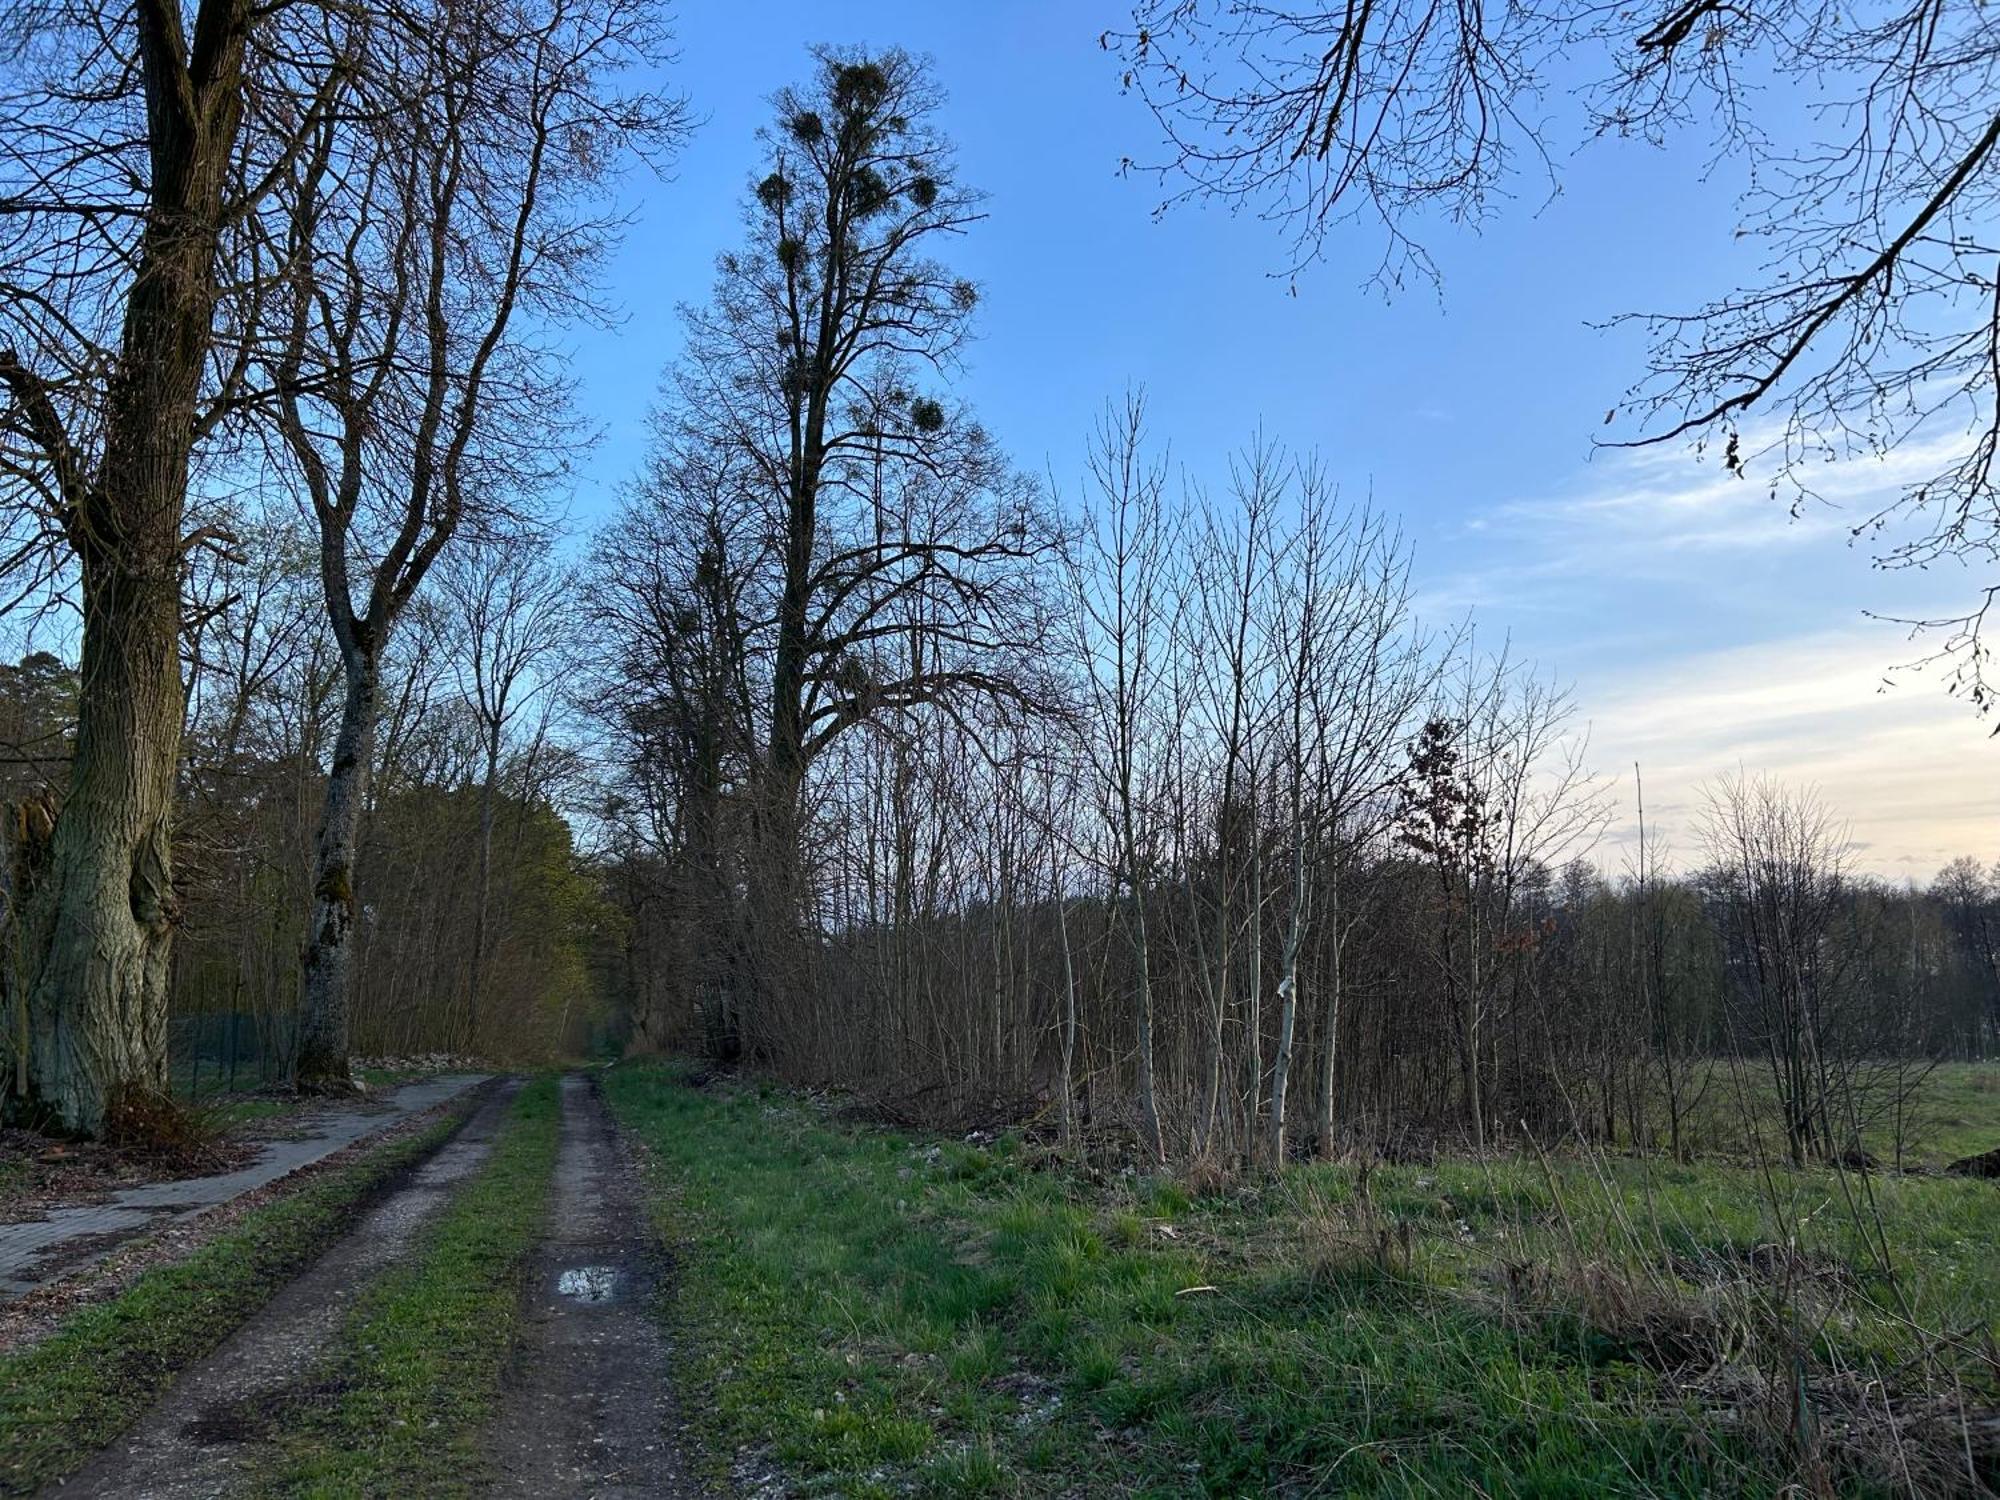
[587, 1283]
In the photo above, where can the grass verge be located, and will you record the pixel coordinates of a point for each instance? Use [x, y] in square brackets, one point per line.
[76, 1390]
[417, 1372]
[878, 1314]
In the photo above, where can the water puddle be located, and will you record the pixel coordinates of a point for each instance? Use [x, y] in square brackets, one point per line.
[587, 1283]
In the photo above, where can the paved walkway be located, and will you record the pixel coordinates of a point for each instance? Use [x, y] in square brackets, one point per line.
[43, 1250]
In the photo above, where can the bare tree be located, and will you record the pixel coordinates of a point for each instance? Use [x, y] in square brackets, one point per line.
[432, 234]
[671, 679]
[513, 606]
[1780, 882]
[135, 148]
[1220, 665]
[1120, 596]
[1355, 671]
[895, 569]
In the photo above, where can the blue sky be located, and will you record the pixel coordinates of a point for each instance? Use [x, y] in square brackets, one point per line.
[1704, 631]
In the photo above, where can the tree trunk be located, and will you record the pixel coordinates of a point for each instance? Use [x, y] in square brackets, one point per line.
[1253, 1019]
[487, 790]
[1288, 988]
[323, 1060]
[1068, 1021]
[1149, 1098]
[97, 1007]
[103, 921]
[1330, 1054]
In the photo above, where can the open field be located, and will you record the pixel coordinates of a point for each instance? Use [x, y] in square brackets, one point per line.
[1951, 1110]
[874, 1311]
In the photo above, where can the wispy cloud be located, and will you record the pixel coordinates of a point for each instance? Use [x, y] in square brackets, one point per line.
[1909, 769]
[1709, 630]
[1659, 515]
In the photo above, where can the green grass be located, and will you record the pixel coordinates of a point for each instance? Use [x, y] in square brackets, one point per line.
[418, 1368]
[880, 1314]
[1951, 1111]
[1959, 1112]
[230, 1112]
[388, 1078]
[71, 1394]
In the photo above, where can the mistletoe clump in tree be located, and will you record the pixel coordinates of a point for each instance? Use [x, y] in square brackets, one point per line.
[883, 551]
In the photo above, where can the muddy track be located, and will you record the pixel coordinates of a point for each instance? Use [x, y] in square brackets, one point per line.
[589, 1408]
[195, 1441]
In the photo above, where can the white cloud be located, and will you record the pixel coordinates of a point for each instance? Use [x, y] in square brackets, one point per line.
[1662, 515]
[1709, 630]
[1912, 771]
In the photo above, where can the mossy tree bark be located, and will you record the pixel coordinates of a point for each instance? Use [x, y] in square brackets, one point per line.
[329, 952]
[103, 922]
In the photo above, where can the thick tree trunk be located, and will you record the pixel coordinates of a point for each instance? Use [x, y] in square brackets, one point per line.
[103, 921]
[103, 924]
[323, 1057]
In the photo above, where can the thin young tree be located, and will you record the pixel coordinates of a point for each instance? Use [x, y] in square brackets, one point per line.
[1354, 670]
[1120, 599]
[1224, 660]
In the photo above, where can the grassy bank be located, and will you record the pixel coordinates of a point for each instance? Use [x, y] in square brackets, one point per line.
[75, 1391]
[417, 1371]
[874, 1312]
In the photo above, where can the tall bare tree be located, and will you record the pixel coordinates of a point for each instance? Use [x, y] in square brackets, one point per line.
[433, 234]
[139, 138]
[893, 569]
[1120, 601]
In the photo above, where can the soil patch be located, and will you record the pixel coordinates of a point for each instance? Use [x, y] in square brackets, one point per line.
[590, 1408]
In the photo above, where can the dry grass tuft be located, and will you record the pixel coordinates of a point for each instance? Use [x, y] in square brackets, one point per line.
[1205, 1176]
[1340, 1240]
[152, 1126]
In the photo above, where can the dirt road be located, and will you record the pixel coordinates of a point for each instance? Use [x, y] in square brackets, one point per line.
[588, 1407]
[589, 1410]
[191, 1443]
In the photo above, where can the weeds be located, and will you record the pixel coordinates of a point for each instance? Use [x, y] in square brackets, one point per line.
[152, 1125]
